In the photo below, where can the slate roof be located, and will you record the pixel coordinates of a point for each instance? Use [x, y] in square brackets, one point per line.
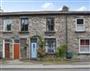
[45, 13]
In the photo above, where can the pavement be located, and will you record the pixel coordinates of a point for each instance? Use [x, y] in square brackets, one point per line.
[20, 64]
[40, 66]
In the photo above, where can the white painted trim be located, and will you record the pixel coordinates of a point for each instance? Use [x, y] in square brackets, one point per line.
[20, 24]
[29, 48]
[4, 25]
[3, 49]
[79, 45]
[76, 23]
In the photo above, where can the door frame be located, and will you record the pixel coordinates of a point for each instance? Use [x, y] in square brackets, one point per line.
[19, 48]
[4, 48]
[31, 47]
[12, 49]
[25, 37]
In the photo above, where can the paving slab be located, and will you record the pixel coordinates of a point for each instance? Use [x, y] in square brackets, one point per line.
[45, 66]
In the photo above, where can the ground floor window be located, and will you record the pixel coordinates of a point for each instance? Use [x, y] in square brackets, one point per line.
[84, 46]
[23, 46]
[1, 45]
[50, 44]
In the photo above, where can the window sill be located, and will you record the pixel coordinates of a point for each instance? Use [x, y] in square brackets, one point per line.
[84, 53]
[80, 31]
[50, 53]
[23, 31]
[49, 31]
[7, 31]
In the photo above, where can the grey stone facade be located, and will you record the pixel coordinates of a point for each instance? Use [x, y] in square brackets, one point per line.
[74, 37]
[37, 26]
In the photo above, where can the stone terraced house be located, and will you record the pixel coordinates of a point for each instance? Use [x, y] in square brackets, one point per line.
[19, 30]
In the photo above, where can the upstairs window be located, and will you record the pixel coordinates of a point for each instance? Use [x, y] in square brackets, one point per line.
[50, 24]
[7, 25]
[80, 25]
[24, 24]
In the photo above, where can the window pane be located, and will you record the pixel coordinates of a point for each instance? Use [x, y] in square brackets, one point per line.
[50, 45]
[84, 48]
[7, 24]
[50, 24]
[87, 42]
[84, 42]
[81, 42]
[23, 41]
[16, 41]
[8, 40]
[80, 27]
[22, 27]
[84, 45]
[79, 21]
[26, 27]
[52, 27]
[24, 24]
[8, 27]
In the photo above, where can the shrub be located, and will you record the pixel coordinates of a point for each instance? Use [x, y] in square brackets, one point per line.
[4, 60]
[61, 51]
[41, 49]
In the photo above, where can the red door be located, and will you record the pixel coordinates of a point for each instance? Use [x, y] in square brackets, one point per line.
[16, 51]
[7, 51]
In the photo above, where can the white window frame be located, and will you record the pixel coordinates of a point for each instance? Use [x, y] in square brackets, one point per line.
[46, 47]
[20, 23]
[47, 28]
[4, 26]
[79, 45]
[83, 24]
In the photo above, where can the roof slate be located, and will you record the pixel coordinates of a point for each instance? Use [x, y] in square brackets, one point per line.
[45, 13]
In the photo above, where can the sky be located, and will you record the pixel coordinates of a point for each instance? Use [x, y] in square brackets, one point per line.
[44, 5]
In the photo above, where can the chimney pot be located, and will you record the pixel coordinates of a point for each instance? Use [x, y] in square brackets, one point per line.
[65, 8]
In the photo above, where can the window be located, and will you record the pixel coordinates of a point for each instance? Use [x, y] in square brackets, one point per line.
[7, 25]
[8, 40]
[84, 46]
[1, 45]
[24, 24]
[50, 24]
[80, 25]
[23, 41]
[50, 44]
[16, 40]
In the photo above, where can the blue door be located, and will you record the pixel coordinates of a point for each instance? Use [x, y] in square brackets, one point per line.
[33, 50]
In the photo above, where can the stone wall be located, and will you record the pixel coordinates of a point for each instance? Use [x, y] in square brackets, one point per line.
[37, 26]
[73, 37]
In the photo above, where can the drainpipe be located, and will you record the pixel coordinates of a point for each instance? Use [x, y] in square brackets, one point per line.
[66, 35]
[65, 9]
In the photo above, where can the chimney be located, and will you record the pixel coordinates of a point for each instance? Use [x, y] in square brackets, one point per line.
[65, 9]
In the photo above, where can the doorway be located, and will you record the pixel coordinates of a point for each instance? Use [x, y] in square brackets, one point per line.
[33, 48]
